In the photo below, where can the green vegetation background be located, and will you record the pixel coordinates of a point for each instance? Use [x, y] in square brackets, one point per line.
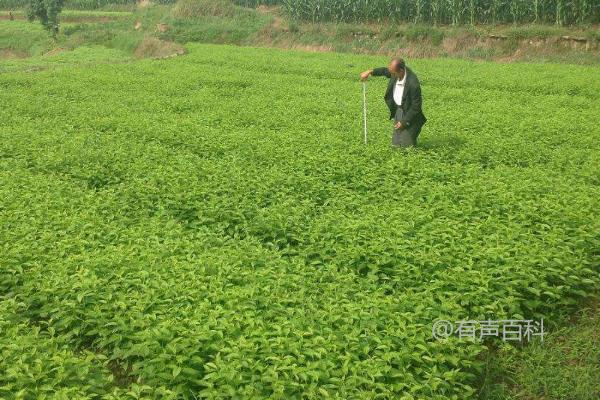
[537, 155]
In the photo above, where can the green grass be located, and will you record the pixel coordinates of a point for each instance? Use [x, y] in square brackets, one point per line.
[565, 366]
[24, 37]
[116, 29]
[212, 225]
[235, 27]
[81, 56]
[212, 21]
[78, 28]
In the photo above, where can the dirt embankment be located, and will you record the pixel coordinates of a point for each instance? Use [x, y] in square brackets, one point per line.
[164, 34]
[498, 43]
[156, 48]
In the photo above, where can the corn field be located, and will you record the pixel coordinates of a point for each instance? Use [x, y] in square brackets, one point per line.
[455, 12]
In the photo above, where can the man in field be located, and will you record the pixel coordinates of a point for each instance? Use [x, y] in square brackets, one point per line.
[403, 98]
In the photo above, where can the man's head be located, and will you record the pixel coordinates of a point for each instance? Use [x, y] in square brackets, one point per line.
[397, 67]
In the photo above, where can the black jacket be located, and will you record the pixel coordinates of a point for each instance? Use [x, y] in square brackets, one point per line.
[411, 98]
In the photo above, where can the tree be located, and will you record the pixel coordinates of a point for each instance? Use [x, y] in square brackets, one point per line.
[47, 12]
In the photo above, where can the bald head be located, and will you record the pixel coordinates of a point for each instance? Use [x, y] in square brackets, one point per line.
[397, 67]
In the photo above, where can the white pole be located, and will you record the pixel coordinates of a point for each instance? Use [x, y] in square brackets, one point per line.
[365, 109]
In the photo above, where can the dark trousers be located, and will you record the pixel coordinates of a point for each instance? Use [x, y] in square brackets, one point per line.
[407, 136]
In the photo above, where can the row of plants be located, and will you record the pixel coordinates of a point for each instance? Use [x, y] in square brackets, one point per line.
[560, 12]
[195, 228]
[81, 4]
[455, 12]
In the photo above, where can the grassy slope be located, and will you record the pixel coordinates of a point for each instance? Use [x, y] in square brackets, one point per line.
[267, 27]
[116, 30]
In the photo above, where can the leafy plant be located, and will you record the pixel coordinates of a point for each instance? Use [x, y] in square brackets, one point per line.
[47, 12]
[213, 225]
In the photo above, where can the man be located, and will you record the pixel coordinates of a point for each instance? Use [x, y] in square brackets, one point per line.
[403, 98]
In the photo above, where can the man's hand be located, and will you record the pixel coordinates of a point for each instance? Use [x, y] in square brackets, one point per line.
[365, 75]
[398, 125]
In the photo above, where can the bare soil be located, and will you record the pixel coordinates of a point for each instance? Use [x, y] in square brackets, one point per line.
[156, 48]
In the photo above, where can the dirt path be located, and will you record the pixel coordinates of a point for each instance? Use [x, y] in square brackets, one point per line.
[274, 11]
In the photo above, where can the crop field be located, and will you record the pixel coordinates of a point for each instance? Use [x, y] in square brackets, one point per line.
[453, 12]
[213, 226]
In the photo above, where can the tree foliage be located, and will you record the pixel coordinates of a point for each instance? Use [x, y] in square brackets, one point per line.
[47, 12]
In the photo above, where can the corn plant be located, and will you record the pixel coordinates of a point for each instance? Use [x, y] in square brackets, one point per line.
[419, 13]
[436, 11]
[472, 12]
[560, 12]
[446, 11]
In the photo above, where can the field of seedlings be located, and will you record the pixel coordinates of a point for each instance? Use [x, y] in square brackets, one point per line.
[212, 225]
